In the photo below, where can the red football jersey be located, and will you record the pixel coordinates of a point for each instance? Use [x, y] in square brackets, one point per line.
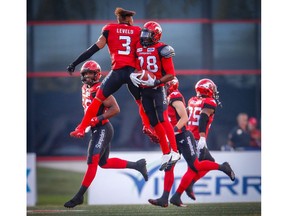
[195, 105]
[88, 95]
[121, 41]
[150, 59]
[172, 113]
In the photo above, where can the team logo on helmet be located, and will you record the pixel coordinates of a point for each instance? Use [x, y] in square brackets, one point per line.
[207, 88]
[150, 34]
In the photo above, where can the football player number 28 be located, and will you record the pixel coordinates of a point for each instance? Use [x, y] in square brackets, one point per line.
[151, 63]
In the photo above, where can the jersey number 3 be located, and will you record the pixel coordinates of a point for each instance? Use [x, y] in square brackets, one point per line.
[126, 45]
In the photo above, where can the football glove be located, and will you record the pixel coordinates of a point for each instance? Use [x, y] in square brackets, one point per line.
[71, 68]
[201, 143]
[134, 79]
[149, 82]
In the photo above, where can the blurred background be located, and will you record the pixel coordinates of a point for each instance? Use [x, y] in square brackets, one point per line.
[215, 39]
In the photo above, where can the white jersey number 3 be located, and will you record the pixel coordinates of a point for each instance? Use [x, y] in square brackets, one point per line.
[126, 45]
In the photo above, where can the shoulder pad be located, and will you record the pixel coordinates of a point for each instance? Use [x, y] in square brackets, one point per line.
[210, 101]
[167, 51]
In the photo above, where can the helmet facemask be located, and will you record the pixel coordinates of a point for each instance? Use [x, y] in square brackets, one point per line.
[90, 72]
[89, 79]
[146, 38]
[216, 96]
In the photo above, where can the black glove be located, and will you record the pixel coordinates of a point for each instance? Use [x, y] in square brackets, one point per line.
[71, 68]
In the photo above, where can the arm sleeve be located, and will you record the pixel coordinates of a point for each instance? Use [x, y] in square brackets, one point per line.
[203, 121]
[168, 65]
[87, 54]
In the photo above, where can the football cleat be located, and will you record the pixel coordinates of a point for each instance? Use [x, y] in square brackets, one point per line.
[165, 160]
[159, 202]
[175, 200]
[151, 134]
[225, 167]
[175, 156]
[74, 201]
[190, 193]
[141, 167]
[78, 133]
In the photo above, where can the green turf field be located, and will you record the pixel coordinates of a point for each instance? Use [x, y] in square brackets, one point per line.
[55, 187]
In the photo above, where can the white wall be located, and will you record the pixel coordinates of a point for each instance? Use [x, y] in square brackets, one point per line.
[126, 186]
[31, 179]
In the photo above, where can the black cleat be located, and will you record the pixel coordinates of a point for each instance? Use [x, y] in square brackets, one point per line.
[225, 167]
[190, 193]
[175, 200]
[159, 202]
[141, 167]
[74, 201]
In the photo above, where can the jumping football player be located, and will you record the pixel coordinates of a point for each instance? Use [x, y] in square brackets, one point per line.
[156, 57]
[121, 39]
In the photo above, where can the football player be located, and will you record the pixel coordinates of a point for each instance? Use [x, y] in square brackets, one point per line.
[186, 145]
[201, 110]
[101, 133]
[156, 57]
[121, 39]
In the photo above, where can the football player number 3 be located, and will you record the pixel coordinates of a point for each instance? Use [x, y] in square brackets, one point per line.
[194, 115]
[125, 44]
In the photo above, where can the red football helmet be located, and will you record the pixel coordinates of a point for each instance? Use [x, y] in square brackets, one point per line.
[172, 85]
[150, 34]
[90, 66]
[207, 88]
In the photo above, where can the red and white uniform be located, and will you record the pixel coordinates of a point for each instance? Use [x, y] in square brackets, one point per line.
[172, 113]
[149, 58]
[121, 41]
[88, 93]
[195, 105]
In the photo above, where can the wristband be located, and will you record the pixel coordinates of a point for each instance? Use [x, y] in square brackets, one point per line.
[176, 129]
[100, 118]
[157, 82]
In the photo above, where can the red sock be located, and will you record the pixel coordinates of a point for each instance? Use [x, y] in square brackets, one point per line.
[199, 175]
[115, 163]
[186, 180]
[205, 165]
[162, 138]
[170, 134]
[90, 113]
[143, 115]
[169, 179]
[91, 171]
